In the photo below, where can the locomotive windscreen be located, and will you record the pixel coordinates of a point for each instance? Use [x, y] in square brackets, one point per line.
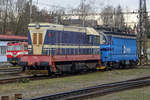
[103, 39]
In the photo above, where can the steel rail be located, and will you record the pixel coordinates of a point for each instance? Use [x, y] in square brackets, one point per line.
[18, 78]
[10, 69]
[31, 77]
[98, 90]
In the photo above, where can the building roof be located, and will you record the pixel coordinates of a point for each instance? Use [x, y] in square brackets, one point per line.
[13, 38]
[120, 33]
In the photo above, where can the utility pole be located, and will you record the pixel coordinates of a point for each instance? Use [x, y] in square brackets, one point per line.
[142, 32]
[83, 12]
[145, 20]
[30, 11]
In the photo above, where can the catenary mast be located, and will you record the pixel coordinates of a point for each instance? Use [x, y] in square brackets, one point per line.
[142, 32]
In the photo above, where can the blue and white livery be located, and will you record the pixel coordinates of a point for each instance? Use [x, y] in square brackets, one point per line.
[118, 49]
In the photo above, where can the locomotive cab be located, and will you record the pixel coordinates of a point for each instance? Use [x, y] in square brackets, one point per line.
[103, 39]
[35, 39]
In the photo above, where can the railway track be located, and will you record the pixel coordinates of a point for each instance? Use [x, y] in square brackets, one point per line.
[22, 78]
[10, 71]
[19, 77]
[32, 78]
[99, 90]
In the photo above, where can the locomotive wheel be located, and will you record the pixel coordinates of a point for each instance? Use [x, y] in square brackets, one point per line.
[49, 71]
[73, 68]
[14, 64]
[108, 67]
[116, 65]
[23, 69]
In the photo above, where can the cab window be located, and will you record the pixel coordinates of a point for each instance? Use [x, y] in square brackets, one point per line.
[102, 39]
[90, 39]
[18, 47]
[97, 39]
[11, 48]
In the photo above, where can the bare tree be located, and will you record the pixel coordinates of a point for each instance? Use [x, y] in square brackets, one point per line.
[14, 16]
[84, 9]
[107, 16]
[119, 18]
[7, 10]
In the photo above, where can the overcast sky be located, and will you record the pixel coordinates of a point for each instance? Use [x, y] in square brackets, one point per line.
[126, 4]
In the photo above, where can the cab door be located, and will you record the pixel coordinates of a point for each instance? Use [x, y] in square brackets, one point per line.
[37, 43]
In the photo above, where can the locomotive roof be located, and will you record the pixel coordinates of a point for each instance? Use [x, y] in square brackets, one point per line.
[13, 38]
[87, 30]
[119, 33]
[17, 43]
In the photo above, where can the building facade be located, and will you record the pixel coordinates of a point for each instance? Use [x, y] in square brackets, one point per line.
[131, 18]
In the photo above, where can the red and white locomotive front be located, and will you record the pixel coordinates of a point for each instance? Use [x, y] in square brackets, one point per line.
[15, 51]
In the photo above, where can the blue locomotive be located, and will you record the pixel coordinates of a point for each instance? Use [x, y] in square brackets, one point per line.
[118, 50]
[59, 48]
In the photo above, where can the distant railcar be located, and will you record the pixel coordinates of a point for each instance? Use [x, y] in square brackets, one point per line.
[118, 50]
[15, 50]
[59, 48]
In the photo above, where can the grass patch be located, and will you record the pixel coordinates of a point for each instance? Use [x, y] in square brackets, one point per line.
[49, 86]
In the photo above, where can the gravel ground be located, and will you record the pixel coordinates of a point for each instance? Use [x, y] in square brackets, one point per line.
[50, 86]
